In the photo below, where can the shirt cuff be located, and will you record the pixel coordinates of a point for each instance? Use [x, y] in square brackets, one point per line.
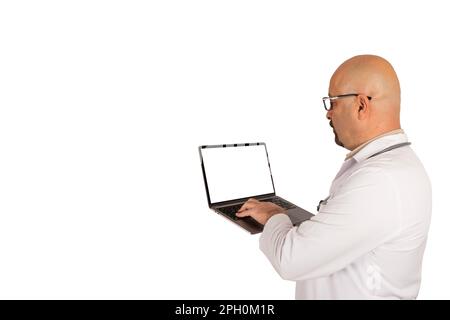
[277, 220]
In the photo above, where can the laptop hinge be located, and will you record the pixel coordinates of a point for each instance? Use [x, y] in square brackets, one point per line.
[242, 200]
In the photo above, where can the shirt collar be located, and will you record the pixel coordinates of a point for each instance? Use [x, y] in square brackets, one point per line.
[376, 144]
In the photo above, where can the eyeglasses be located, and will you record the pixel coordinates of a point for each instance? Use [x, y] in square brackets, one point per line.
[328, 100]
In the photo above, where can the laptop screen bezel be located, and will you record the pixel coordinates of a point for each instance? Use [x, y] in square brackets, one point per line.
[205, 179]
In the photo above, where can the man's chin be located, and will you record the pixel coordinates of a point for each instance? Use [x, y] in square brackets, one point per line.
[337, 141]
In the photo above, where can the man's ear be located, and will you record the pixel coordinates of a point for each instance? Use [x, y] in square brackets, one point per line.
[363, 109]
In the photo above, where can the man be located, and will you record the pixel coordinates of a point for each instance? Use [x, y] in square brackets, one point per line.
[368, 238]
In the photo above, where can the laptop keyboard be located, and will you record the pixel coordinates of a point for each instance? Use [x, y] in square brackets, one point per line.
[281, 203]
[231, 210]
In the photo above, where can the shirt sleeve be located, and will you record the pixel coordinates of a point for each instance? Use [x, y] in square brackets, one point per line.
[360, 216]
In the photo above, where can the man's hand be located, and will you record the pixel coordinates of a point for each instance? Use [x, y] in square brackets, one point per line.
[258, 210]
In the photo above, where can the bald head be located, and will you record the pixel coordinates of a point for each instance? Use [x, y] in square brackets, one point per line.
[369, 76]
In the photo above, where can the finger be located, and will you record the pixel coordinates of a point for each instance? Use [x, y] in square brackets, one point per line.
[246, 206]
[250, 203]
[243, 213]
[243, 208]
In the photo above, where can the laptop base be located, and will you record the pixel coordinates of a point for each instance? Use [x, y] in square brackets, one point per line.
[295, 213]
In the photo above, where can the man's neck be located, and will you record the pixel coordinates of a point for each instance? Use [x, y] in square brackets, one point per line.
[378, 132]
[374, 137]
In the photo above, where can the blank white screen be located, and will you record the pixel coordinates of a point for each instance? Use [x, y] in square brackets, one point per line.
[236, 172]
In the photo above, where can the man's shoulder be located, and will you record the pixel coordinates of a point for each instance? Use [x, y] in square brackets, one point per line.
[394, 167]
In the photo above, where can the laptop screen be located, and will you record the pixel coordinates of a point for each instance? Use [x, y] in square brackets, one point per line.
[237, 172]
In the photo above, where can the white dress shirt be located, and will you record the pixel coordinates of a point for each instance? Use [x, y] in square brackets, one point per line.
[367, 240]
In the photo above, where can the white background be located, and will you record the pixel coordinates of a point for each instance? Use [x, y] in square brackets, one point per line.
[103, 105]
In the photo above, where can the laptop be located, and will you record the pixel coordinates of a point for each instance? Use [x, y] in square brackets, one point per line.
[233, 173]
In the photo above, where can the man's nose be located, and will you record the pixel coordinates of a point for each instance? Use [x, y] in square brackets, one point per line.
[328, 115]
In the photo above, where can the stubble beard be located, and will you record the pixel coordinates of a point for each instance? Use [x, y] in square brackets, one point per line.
[336, 138]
